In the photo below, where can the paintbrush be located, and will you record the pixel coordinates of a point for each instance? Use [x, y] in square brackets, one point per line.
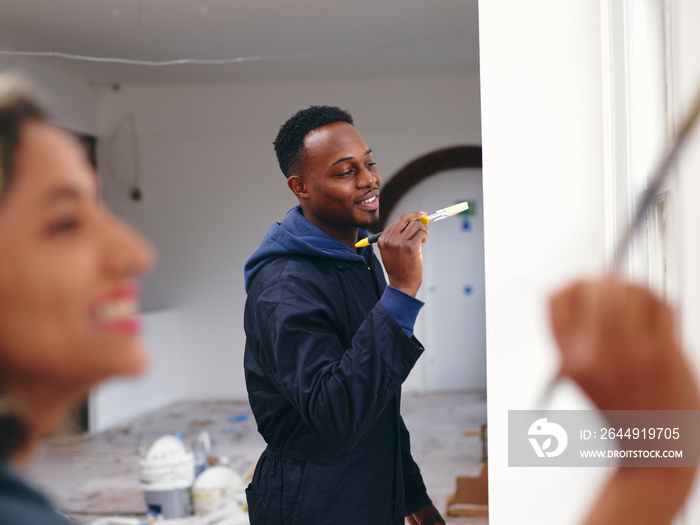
[443, 213]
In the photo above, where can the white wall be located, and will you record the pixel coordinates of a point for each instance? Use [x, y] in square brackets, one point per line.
[212, 185]
[72, 101]
[118, 400]
[686, 83]
[542, 135]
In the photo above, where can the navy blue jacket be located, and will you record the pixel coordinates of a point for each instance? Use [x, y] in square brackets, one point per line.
[22, 505]
[324, 362]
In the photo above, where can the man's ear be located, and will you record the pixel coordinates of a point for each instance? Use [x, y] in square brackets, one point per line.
[296, 184]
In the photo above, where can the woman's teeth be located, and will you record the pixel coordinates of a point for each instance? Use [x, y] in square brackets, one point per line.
[116, 310]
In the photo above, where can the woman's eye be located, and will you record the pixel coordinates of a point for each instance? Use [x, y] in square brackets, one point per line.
[371, 165]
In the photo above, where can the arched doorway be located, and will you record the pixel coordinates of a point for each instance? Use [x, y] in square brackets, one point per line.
[418, 170]
[452, 324]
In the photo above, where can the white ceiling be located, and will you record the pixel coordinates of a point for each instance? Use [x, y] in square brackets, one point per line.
[260, 40]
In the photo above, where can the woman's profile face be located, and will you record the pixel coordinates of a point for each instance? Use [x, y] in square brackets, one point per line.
[68, 292]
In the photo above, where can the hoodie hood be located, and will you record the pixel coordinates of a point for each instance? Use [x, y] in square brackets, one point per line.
[295, 235]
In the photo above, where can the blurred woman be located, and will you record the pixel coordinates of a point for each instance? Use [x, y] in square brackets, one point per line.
[69, 298]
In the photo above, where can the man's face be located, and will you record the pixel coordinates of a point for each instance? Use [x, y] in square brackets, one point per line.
[339, 180]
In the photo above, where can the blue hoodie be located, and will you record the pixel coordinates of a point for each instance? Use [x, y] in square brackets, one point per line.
[324, 364]
[296, 235]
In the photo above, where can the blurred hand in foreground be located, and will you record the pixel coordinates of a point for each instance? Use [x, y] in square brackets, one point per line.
[619, 343]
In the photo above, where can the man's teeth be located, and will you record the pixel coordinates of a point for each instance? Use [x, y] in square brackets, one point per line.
[117, 310]
[371, 199]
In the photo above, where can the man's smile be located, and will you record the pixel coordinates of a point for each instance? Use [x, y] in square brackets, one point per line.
[369, 203]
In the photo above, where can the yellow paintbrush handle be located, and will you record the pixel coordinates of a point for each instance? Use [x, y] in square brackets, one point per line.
[373, 238]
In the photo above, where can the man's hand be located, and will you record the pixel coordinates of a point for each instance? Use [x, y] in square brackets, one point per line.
[426, 516]
[400, 246]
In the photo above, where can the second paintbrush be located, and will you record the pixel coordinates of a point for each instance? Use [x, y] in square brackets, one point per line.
[437, 216]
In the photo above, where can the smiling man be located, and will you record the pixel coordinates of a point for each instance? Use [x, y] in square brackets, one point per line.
[329, 344]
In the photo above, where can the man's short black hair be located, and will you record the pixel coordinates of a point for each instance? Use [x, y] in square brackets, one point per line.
[290, 138]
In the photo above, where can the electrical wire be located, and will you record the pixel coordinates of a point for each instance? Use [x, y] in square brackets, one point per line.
[220, 61]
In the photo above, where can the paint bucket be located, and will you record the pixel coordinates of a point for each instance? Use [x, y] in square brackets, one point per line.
[167, 474]
[215, 488]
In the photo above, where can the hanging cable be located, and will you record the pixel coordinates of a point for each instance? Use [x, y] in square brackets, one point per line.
[221, 61]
